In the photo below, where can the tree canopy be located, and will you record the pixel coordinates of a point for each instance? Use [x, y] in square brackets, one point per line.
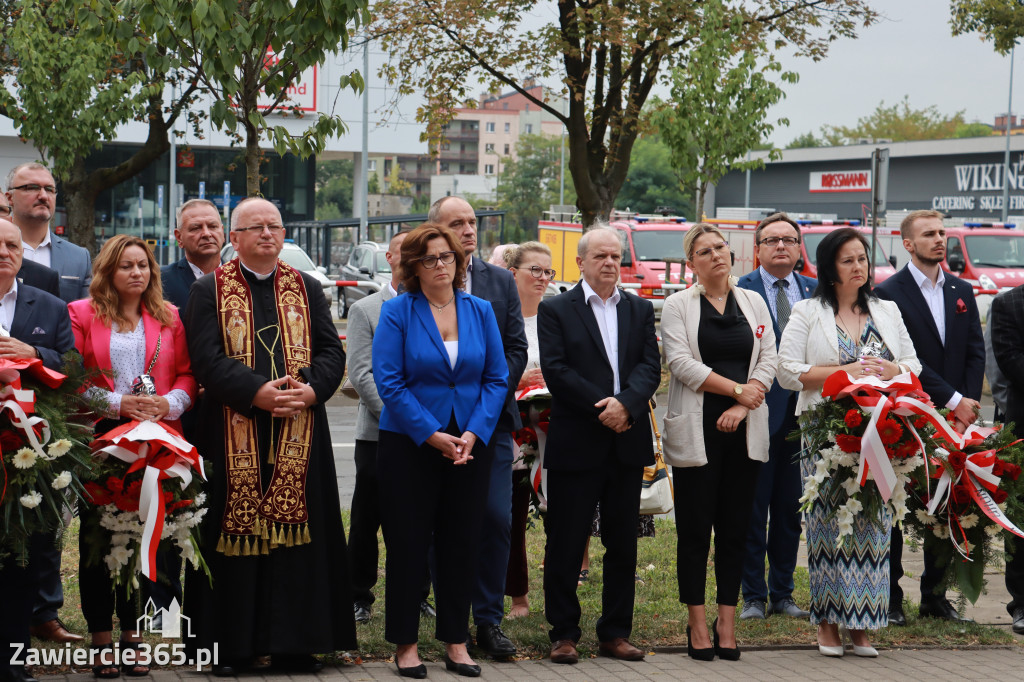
[652, 183]
[899, 122]
[607, 57]
[1001, 21]
[529, 184]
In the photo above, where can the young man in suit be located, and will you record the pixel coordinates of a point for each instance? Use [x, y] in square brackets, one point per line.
[38, 326]
[200, 234]
[32, 192]
[599, 355]
[942, 319]
[1006, 320]
[498, 287]
[779, 485]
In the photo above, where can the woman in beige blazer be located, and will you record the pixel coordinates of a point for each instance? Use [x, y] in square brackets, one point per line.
[826, 333]
[720, 347]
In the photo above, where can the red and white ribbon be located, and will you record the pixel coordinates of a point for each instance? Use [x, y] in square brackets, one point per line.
[164, 454]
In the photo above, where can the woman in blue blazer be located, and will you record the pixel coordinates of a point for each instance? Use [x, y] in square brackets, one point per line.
[440, 370]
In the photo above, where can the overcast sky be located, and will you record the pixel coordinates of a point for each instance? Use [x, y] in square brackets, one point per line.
[910, 52]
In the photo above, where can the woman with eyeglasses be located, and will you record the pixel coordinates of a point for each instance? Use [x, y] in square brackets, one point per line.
[440, 371]
[720, 348]
[530, 264]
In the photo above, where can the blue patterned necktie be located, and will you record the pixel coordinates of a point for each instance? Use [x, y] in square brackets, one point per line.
[782, 308]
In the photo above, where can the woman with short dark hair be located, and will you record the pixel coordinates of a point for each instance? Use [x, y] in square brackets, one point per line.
[440, 370]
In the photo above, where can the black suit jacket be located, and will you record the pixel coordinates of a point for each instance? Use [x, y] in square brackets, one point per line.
[578, 374]
[957, 366]
[41, 320]
[177, 279]
[1007, 319]
[40, 277]
[498, 287]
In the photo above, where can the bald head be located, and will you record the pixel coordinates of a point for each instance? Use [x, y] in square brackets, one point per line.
[457, 215]
[257, 234]
[10, 254]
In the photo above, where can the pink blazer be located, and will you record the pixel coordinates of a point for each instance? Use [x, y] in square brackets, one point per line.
[172, 369]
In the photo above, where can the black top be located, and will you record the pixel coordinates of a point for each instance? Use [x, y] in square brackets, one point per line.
[725, 342]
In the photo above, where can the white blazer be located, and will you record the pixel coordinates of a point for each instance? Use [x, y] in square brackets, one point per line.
[811, 340]
[684, 422]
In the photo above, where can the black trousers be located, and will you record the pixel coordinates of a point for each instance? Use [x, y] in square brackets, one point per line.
[424, 497]
[1015, 576]
[517, 576]
[100, 600]
[931, 576]
[17, 592]
[717, 496]
[572, 498]
[364, 523]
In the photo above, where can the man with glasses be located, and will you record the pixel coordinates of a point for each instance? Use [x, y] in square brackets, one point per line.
[779, 485]
[265, 349]
[32, 274]
[32, 192]
[498, 287]
[32, 197]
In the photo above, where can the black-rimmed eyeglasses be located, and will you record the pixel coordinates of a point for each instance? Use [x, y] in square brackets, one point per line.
[259, 228]
[539, 273]
[430, 262]
[774, 241]
[33, 188]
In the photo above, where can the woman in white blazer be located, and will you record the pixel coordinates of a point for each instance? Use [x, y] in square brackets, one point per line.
[826, 333]
[720, 347]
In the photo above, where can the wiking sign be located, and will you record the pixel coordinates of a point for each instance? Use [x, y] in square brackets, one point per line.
[984, 177]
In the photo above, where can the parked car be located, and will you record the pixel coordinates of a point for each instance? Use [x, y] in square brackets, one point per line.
[293, 255]
[366, 263]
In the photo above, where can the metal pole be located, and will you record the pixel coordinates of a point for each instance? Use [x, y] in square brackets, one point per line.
[561, 168]
[746, 193]
[172, 187]
[364, 207]
[1006, 157]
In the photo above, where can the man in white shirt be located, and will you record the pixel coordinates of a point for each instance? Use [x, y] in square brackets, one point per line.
[599, 355]
[32, 193]
[942, 319]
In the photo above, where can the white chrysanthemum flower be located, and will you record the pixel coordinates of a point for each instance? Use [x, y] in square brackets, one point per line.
[25, 458]
[31, 500]
[993, 530]
[62, 481]
[120, 539]
[59, 447]
[924, 517]
[941, 532]
[969, 521]
[848, 460]
[200, 499]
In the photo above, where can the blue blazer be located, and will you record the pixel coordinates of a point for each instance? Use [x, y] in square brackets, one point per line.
[957, 366]
[42, 321]
[74, 265]
[415, 380]
[778, 397]
[177, 279]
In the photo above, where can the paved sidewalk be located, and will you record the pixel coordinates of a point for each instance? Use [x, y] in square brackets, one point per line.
[790, 665]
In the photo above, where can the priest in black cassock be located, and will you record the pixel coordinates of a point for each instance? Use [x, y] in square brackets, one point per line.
[264, 346]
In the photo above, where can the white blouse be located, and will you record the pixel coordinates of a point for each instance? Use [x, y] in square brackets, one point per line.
[453, 351]
[533, 345]
[128, 360]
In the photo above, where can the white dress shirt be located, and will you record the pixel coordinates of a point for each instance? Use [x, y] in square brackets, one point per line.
[7, 304]
[936, 302]
[196, 270]
[40, 254]
[608, 322]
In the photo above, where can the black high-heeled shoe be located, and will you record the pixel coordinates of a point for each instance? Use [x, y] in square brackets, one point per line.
[707, 654]
[464, 669]
[723, 653]
[417, 672]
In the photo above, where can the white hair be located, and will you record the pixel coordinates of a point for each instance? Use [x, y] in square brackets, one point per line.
[598, 229]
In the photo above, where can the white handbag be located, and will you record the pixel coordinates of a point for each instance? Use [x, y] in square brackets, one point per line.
[656, 496]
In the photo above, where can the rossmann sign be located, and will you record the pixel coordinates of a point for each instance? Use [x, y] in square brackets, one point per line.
[841, 181]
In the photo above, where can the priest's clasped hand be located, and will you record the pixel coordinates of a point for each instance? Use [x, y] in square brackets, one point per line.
[284, 397]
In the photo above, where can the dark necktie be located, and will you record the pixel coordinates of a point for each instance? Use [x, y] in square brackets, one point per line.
[782, 308]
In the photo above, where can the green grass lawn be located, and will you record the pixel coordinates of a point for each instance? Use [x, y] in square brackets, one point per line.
[659, 620]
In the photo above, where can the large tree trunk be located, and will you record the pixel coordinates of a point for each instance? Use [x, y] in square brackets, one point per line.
[82, 189]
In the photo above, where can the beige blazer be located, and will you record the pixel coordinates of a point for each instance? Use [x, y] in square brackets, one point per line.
[810, 340]
[684, 422]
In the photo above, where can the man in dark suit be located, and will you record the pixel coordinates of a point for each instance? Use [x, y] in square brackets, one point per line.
[200, 234]
[33, 274]
[599, 356]
[779, 484]
[1006, 320]
[35, 324]
[942, 319]
[498, 287]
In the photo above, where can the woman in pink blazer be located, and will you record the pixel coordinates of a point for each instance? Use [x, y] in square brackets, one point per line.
[126, 329]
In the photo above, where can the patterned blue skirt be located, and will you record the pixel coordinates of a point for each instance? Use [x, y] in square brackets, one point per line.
[850, 583]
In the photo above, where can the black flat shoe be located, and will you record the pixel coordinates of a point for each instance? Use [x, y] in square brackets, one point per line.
[417, 672]
[698, 654]
[720, 651]
[296, 663]
[464, 669]
[135, 669]
[225, 670]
